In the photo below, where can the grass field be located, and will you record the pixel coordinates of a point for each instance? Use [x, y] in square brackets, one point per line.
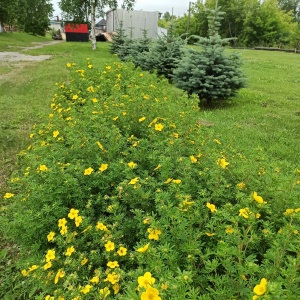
[263, 118]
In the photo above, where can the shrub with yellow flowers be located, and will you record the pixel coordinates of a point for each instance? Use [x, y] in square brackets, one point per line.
[125, 194]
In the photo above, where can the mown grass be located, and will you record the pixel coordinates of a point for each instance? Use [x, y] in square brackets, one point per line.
[263, 118]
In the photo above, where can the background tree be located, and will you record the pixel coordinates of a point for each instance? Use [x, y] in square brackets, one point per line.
[9, 12]
[292, 6]
[33, 16]
[88, 10]
[268, 25]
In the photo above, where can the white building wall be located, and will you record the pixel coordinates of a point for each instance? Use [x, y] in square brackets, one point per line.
[137, 20]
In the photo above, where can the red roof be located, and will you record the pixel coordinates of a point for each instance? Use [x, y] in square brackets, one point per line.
[77, 28]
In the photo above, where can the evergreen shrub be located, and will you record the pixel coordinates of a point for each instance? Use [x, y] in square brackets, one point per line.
[208, 71]
[124, 194]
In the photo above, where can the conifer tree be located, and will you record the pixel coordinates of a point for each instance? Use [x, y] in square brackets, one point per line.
[118, 39]
[208, 71]
[163, 57]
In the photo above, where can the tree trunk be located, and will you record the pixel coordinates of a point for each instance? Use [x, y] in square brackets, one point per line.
[93, 23]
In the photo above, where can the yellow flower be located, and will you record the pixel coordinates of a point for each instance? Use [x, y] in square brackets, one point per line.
[113, 264]
[48, 265]
[258, 199]
[109, 246]
[108, 67]
[210, 234]
[168, 180]
[122, 251]
[222, 163]
[103, 167]
[261, 288]
[32, 268]
[43, 168]
[193, 159]
[62, 222]
[73, 213]
[255, 297]
[132, 165]
[90, 66]
[146, 280]
[153, 234]
[244, 212]
[50, 255]
[78, 220]
[116, 288]
[86, 289]
[289, 211]
[241, 185]
[55, 133]
[229, 230]
[104, 292]
[143, 249]
[69, 65]
[142, 119]
[134, 180]
[101, 226]
[150, 294]
[158, 166]
[8, 195]
[95, 279]
[24, 273]
[64, 230]
[84, 261]
[75, 97]
[70, 250]
[257, 215]
[116, 118]
[90, 89]
[100, 146]
[48, 297]
[88, 171]
[59, 274]
[177, 181]
[94, 100]
[159, 127]
[217, 141]
[113, 278]
[50, 236]
[212, 207]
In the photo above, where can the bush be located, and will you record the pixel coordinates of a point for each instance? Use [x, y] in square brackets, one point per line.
[124, 194]
[163, 56]
[209, 72]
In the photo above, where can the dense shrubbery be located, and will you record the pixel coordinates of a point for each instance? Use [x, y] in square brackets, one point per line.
[207, 72]
[124, 188]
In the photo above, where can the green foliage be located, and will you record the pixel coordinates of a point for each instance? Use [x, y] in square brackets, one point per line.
[118, 39]
[132, 48]
[111, 166]
[163, 56]
[210, 73]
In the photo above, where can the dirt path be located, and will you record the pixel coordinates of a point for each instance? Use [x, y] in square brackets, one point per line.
[16, 61]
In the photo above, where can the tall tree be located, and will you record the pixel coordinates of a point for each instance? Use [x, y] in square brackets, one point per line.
[9, 12]
[88, 10]
[291, 6]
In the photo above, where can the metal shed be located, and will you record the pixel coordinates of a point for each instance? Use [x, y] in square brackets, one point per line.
[137, 20]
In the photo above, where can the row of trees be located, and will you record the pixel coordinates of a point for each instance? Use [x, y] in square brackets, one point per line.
[252, 22]
[31, 16]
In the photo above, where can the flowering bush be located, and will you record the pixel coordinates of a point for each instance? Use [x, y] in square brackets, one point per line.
[124, 194]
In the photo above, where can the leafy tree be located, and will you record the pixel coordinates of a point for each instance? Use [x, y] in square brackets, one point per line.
[33, 16]
[292, 6]
[8, 12]
[84, 10]
[209, 72]
[268, 25]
